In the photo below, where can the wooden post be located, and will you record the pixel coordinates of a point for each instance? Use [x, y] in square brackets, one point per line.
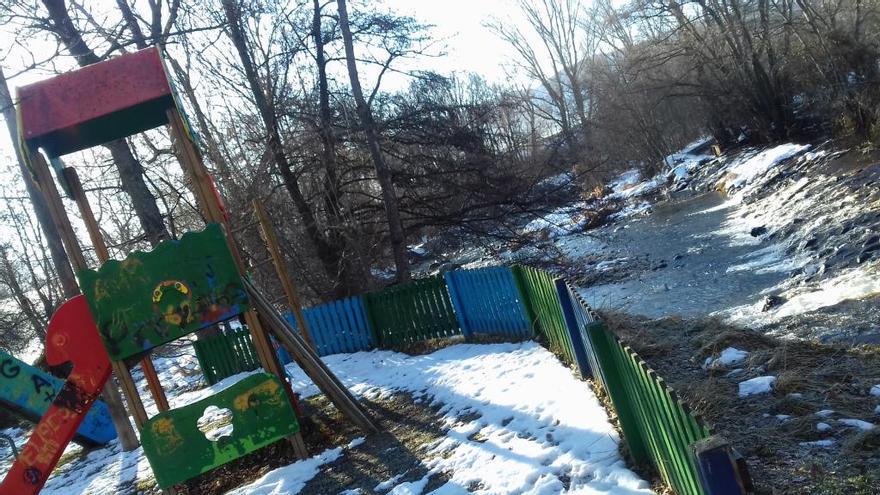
[281, 269]
[574, 332]
[209, 202]
[100, 245]
[722, 470]
[59, 216]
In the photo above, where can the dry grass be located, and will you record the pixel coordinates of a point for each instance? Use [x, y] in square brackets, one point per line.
[809, 377]
[863, 442]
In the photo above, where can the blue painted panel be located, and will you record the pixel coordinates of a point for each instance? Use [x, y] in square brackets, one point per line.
[486, 300]
[338, 326]
[30, 391]
[567, 303]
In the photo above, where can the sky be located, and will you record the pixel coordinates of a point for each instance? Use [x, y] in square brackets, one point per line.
[470, 45]
[467, 44]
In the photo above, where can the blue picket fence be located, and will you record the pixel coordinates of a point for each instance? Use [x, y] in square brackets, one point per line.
[486, 300]
[338, 326]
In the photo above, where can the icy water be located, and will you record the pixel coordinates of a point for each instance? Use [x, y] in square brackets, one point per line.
[688, 274]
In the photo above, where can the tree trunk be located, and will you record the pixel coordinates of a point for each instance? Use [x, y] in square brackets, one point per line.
[328, 254]
[383, 173]
[41, 209]
[130, 169]
[62, 265]
[345, 285]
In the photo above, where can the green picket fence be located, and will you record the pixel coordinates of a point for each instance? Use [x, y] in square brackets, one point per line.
[226, 354]
[543, 308]
[658, 427]
[413, 312]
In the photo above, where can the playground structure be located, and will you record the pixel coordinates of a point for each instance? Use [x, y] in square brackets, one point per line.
[128, 308]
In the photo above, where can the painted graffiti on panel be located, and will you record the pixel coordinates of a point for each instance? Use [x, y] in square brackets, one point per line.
[71, 337]
[178, 450]
[29, 391]
[152, 298]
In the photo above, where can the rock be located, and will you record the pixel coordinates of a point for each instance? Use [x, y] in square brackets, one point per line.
[771, 302]
[758, 231]
[660, 265]
[812, 244]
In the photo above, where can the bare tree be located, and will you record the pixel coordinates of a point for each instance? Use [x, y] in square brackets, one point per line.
[131, 171]
[383, 172]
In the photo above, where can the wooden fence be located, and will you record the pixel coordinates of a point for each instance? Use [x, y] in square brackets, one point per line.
[410, 313]
[658, 427]
[226, 354]
[338, 326]
[487, 300]
[543, 308]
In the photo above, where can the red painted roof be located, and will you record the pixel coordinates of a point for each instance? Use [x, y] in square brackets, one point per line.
[98, 103]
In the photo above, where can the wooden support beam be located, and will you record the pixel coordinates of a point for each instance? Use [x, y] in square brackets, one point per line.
[281, 269]
[311, 363]
[209, 202]
[100, 245]
[46, 184]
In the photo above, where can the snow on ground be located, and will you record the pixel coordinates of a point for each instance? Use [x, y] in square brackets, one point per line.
[730, 355]
[289, 479]
[757, 385]
[538, 427]
[629, 185]
[858, 423]
[559, 222]
[742, 172]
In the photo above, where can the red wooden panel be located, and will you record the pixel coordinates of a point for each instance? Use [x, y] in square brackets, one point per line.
[71, 336]
[98, 103]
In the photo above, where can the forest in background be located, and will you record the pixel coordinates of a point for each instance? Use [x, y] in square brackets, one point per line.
[289, 105]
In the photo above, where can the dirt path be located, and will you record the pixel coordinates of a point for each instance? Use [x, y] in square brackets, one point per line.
[679, 267]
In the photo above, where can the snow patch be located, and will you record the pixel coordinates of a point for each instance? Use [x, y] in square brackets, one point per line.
[742, 172]
[858, 423]
[289, 479]
[730, 355]
[757, 385]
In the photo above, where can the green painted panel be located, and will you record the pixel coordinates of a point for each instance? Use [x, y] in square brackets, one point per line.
[178, 450]
[538, 292]
[417, 311]
[156, 297]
